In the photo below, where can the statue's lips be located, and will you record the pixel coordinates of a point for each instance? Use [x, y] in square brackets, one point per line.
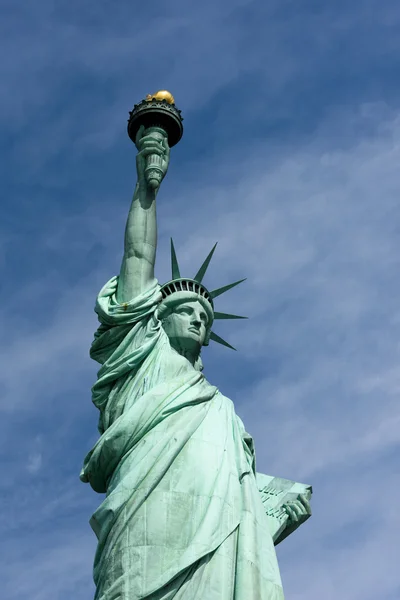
[193, 330]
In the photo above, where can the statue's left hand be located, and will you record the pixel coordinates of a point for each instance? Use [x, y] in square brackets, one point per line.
[298, 510]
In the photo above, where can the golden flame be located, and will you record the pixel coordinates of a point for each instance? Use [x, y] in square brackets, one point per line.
[161, 95]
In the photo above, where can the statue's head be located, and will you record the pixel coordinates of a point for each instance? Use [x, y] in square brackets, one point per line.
[187, 319]
[187, 310]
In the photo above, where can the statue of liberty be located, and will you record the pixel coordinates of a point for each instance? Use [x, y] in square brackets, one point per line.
[185, 515]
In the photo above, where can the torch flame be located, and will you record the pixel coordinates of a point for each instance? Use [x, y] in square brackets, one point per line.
[161, 95]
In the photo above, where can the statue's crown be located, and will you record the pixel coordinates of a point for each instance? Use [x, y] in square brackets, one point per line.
[195, 285]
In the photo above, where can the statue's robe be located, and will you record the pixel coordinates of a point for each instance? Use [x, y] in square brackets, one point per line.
[182, 517]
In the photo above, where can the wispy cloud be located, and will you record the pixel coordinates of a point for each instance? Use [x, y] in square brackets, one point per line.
[56, 567]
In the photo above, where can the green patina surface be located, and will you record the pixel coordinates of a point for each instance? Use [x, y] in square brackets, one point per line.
[185, 514]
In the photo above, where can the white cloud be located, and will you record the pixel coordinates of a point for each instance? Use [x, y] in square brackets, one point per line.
[34, 462]
[55, 567]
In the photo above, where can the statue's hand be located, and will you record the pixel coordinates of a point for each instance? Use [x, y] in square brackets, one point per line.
[152, 143]
[298, 510]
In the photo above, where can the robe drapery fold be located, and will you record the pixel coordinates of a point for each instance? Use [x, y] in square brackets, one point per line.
[182, 517]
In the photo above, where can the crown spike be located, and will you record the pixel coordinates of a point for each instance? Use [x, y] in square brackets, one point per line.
[219, 340]
[221, 315]
[201, 272]
[225, 288]
[174, 263]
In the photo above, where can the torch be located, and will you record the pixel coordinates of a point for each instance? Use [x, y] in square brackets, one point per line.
[159, 115]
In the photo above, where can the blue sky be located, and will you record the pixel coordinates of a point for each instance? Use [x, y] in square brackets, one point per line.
[290, 159]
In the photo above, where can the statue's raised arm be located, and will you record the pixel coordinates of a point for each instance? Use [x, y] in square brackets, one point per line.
[154, 125]
[140, 245]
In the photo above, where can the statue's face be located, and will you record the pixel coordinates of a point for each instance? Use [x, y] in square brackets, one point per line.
[186, 326]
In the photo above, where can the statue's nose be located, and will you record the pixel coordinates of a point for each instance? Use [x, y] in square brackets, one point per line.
[196, 320]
